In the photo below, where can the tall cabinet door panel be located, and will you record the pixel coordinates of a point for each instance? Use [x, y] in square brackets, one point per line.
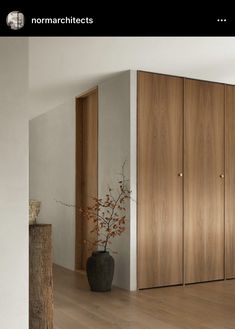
[203, 181]
[230, 182]
[160, 143]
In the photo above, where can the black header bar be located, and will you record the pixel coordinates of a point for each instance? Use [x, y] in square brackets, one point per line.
[114, 21]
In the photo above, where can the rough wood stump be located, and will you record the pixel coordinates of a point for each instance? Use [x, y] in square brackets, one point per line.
[40, 277]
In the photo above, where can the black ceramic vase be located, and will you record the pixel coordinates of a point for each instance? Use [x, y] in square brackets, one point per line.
[100, 269]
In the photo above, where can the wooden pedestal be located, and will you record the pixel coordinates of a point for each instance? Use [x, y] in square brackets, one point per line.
[40, 277]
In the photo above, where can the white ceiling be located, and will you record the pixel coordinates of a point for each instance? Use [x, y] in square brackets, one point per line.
[61, 68]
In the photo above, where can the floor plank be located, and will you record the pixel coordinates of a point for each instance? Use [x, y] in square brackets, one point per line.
[199, 306]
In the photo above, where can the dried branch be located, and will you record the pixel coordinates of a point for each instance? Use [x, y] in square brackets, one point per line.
[107, 213]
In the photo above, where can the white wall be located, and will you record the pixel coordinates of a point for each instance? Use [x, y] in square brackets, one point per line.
[61, 68]
[14, 183]
[114, 149]
[52, 169]
[52, 176]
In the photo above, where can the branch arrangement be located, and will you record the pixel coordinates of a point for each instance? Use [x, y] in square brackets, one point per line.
[108, 213]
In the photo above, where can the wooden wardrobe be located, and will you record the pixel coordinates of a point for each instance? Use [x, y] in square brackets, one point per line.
[186, 180]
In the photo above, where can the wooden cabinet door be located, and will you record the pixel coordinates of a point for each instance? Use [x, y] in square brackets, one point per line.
[203, 186]
[230, 182]
[160, 146]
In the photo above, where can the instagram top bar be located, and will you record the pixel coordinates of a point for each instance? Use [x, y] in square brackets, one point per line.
[20, 21]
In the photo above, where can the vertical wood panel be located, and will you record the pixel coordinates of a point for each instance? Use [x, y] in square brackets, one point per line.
[79, 164]
[90, 168]
[203, 186]
[160, 116]
[230, 182]
[86, 171]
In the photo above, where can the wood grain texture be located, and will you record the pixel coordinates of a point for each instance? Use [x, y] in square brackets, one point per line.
[203, 187]
[160, 143]
[86, 171]
[40, 277]
[79, 202]
[230, 182]
[90, 168]
[200, 306]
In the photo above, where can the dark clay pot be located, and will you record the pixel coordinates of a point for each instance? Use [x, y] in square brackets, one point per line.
[100, 269]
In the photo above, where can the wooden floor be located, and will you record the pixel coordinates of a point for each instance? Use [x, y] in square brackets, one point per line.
[199, 306]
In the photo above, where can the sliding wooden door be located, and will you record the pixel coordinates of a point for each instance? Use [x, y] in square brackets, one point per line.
[160, 140]
[203, 181]
[86, 171]
[230, 182]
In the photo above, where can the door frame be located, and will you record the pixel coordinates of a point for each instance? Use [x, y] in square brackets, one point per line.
[79, 177]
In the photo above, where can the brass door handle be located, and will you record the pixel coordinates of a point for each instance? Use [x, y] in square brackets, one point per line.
[180, 174]
[221, 175]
